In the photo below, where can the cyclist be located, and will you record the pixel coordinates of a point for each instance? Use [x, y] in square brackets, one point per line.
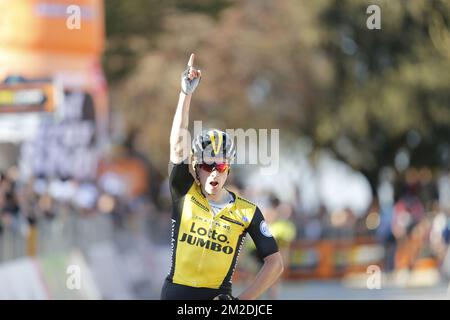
[209, 223]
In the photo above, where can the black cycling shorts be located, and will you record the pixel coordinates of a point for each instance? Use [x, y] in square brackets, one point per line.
[173, 291]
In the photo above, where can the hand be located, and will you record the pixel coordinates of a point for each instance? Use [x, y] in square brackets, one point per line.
[190, 78]
[225, 297]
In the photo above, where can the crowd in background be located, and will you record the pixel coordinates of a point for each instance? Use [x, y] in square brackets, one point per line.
[414, 217]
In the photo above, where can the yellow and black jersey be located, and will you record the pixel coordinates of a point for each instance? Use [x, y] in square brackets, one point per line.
[205, 248]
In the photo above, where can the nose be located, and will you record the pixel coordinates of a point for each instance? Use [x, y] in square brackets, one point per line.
[214, 172]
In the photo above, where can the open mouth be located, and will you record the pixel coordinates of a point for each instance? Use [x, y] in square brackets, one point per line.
[214, 183]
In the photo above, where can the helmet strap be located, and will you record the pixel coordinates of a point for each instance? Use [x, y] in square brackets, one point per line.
[197, 178]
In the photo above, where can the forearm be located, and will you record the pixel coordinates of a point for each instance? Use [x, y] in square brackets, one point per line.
[178, 135]
[181, 119]
[269, 273]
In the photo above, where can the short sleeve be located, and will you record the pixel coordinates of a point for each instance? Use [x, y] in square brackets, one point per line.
[180, 179]
[264, 241]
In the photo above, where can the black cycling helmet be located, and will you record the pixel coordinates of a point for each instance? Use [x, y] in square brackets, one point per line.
[213, 143]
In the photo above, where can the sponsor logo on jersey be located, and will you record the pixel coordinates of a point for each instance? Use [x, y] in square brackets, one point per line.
[172, 245]
[265, 229]
[211, 239]
[199, 204]
[246, 201]
[231, 220]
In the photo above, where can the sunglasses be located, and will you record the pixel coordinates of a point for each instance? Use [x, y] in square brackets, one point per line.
[220, 167]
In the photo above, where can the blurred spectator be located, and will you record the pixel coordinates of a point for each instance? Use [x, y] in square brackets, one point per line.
[316, 226]
[343, 224]
[277, 215]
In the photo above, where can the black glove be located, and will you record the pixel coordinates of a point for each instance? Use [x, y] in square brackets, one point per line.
[225, 297]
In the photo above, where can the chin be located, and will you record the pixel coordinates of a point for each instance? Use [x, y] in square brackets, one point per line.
[210, 192]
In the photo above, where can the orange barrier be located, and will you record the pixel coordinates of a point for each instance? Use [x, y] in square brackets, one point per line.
[326, 259]
[332, 258]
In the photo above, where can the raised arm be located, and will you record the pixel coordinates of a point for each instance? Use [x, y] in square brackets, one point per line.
[178, 136]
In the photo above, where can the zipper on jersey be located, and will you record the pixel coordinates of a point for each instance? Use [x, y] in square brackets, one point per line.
[213, 220]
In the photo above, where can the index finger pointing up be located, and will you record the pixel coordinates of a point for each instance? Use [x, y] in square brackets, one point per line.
[191, 60]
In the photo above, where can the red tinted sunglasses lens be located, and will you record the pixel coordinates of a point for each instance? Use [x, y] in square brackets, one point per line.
[206, 167]
[222, 167]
